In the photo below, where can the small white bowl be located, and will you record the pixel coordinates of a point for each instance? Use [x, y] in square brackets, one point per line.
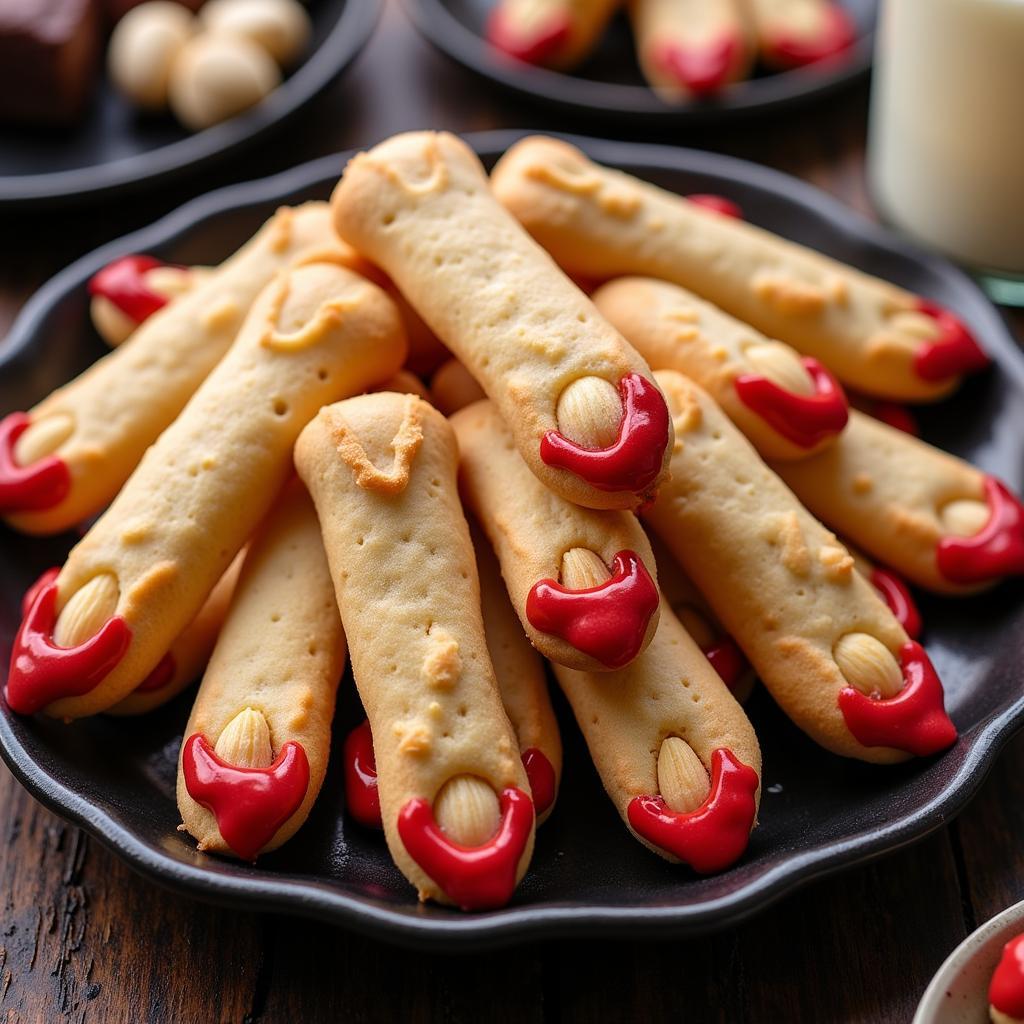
[958, 994]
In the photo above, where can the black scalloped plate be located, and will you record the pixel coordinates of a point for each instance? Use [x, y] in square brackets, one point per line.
[115, 147]
[609, 83]
[819, 813]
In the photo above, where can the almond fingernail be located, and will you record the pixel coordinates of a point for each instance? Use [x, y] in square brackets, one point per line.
[245, 741]
[966, 517]
[467, 809]
[583, 568]
[682, 779]
[42, 437]
[868, 665]
[782, 366]
[589, 412]
[86, 611]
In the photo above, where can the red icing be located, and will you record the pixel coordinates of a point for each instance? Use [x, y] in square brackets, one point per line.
[542, 778]
[250, 804]
[899, 599]
[956, 352]
[41, 672]
[473, 877]
[40, 485]
[33, 592]
[897, 416]
[123, 283]
[360, 768]
[607, 622]
[160, 676]
[727, 660]
[996, 550]
[794, 50]
[714, 835]
[1006, 990]
[717, 204]
[633, 461]
[915, 720]
[702, 70]
[538, 48]
[805, 420]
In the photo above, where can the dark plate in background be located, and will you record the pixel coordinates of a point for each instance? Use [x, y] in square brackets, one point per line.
[609, 84]
[114, 146]
[589, 877]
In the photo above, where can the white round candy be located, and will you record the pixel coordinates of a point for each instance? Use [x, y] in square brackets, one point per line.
[143, 47]
[281, 27]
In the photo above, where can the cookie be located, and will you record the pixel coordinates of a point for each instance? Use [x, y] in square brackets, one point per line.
[892, 588]
[581, 404]
[68, 457]
[675, 752]
[554, 33]
[787, 406]
[458, 818]
[142, 572]
[453, 387]
[826, 646]
[937, 520]
[257, 740]
[539, 537]
[602, 223]
[792, 33]
[690, 48]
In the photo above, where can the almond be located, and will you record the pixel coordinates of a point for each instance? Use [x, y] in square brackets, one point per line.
[589, 412]
[868, 665]
[467, 809]
[682, 779]
[86, 611]
[583, 568]
[966, 517]
[245, 741]
[43, 437]
[781, 365]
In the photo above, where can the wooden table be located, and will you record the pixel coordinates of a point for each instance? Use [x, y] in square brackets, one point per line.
[83, 939]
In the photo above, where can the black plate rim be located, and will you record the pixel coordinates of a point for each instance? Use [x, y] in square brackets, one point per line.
[436, 23]
[345, 41]
[515, 924]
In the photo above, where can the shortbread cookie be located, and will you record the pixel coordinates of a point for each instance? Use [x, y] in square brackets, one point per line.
[939, 521]
[676, 754]
[698, 618]
[874, 336]
[131, 289]
[792, 33]
[458, 819]
[690, 48]
[256, 744]
[556, 33]
[453, 387]
[819, 636]
[540, 537]
[524, 695]
[581, 404]
[187, 657]
[67, 458]
[787, 406]
[404, 383]
[143, 571]
[893, 590]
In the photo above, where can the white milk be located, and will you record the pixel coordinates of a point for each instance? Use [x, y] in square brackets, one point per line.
[946, 152]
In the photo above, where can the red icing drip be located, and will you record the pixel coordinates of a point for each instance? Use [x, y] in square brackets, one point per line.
[897, 416]
[899, 599]
[360, 767]
[473, 877]
[538, 48]
[607, 622]
[996, 550]
[633, 461]
[806, 420]
[837, 35]
[727, 660]
[542, 778]
[41, 672]
[717, 204]
[33, 592]
[250, 804]
[915, 720]
[160, 676]
[40, 485]
[956, 352]
[123, 283]
[714, 835]
[1006, 990]
[702, 70]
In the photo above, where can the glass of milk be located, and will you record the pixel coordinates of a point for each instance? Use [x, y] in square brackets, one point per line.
[946, 147]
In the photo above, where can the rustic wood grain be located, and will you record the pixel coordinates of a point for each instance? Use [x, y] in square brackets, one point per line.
[82, 939]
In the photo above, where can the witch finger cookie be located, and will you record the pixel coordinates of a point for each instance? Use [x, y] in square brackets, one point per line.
[555, 33]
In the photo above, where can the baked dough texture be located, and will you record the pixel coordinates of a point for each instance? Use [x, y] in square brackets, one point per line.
[531, 529]
[119, 406]
[419, 206]
[604, 223]
[382, 472]
[556, 33]
[281, 653]
[314, 333]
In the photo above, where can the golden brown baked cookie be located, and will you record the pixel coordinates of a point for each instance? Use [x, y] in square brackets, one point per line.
[580, 402]
[556, 33]
[382, 472]
[792, 33]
